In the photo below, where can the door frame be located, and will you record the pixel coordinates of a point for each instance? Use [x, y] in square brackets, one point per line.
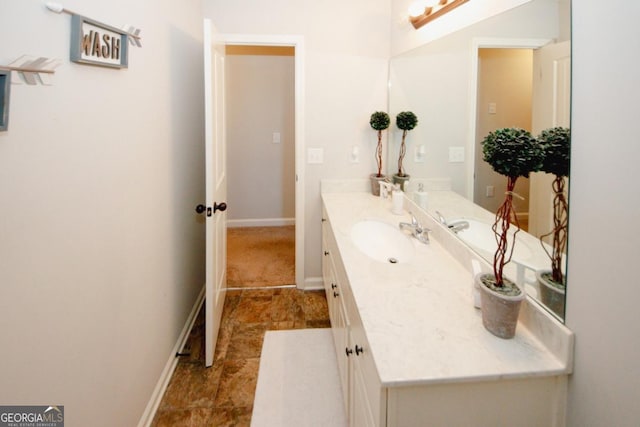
[297, 42]
[478, 43]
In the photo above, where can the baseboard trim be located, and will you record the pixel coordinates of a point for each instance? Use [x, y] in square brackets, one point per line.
[260, 222]
[313, 284]
[170, 366]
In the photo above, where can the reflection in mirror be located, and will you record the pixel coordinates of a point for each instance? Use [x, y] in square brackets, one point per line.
[510, 70]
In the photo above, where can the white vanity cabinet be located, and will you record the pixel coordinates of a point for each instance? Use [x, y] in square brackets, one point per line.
[339, 321]
[360, 387]
[337, 314]
[366, 403]
[411, 349]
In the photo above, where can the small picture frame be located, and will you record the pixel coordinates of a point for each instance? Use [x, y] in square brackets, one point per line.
[5, 92]
[94, 43]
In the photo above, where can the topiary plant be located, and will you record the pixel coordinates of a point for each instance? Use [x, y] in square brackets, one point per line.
[555, 143]
[379, 121]
[511, 152]
[405, 121]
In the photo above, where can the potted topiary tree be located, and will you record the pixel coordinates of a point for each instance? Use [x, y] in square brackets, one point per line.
[379, 121]
[405, 121]
[555, 143]
[511, 152]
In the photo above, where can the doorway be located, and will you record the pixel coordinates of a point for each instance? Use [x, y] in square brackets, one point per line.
[264, 132]
[480, 191]
[261, 165]
[504, 99]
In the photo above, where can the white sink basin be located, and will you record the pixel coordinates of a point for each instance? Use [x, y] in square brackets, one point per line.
[480, 237]
[382, 241]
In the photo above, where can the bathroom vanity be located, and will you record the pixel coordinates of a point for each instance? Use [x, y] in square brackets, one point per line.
[410, 346]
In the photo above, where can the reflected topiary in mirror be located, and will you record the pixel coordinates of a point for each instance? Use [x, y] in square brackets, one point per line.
[555, 144]
[405, 121]
[514, 153]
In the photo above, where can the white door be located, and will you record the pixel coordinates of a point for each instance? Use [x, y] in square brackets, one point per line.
[551, 108]
[216, 188]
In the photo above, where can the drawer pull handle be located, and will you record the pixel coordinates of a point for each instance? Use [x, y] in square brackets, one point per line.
[333, 286]
[335, 294]
[348, 351]
[326, 253]
[359, 350]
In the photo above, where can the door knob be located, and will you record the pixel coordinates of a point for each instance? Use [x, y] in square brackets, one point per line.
[216, 207]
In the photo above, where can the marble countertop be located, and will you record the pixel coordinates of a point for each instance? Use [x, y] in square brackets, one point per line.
[419, 316]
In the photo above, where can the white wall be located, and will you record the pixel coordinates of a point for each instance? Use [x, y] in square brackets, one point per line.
[346, 60]
[604, 210]
[260, 101]
[101, 256]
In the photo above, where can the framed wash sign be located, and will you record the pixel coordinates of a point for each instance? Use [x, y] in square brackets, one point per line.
[95, 43]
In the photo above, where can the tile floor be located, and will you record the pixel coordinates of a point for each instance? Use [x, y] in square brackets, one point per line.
[222, 395]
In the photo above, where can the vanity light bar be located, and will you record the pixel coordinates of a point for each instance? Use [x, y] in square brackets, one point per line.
[433, 12]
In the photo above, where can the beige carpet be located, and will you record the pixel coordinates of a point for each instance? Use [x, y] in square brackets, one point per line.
[260, 256]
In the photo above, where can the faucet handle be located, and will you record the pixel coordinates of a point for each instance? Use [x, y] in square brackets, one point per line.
[441, 218]
[414, 220]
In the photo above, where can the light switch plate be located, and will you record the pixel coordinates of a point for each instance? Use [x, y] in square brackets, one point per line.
[315, 156]
[456, 154]
[276, 138]
[354, 157]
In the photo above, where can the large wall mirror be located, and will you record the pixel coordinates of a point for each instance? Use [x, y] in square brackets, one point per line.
[510, 70]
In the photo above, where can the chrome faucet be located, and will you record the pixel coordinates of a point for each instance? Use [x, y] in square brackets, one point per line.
[417, 230]
[459, 225]
[454, 226]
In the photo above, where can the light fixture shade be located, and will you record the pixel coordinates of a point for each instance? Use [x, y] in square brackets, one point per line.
[419, 7]
[416, 8]
[430, 11]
